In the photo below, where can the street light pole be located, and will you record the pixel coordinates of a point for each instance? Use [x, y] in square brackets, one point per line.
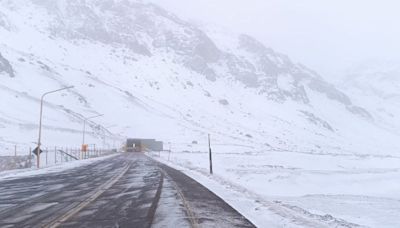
[84, 126]
[40, 121]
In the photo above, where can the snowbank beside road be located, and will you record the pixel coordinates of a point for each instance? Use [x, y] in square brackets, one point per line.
[14, 162]
[19, 173]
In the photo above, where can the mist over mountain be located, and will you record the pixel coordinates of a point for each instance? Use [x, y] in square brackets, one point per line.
[375, 85]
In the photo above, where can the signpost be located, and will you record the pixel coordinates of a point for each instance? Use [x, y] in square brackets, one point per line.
[35, 151]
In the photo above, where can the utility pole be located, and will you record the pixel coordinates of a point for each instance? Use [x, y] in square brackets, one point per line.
[40, 121]
[210, 154]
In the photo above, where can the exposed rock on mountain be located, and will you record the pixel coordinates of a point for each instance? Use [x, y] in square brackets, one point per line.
[5, 67]
[148, 30]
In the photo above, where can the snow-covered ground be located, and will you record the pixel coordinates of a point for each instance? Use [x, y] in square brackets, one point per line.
[298, 188]
[14, 162]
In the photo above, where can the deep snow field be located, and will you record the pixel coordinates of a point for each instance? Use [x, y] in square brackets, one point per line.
[278, 188]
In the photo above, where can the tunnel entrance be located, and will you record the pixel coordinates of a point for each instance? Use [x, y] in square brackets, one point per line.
[142, 145]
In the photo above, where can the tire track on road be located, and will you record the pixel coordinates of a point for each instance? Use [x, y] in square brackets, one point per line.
[131, 202]
[154, 204]
[14, 209]
[203, 207]
[188, 210]
[92, 196]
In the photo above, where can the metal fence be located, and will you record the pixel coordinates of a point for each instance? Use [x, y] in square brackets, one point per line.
[23, 157]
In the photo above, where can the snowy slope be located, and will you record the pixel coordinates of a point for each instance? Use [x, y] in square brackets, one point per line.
[157, 76]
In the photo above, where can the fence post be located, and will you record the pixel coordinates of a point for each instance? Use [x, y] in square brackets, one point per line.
[15, 150]
[169, 152]
[210, 155]
[30, 157]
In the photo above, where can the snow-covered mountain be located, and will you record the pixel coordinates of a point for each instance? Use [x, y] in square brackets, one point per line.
[157, 76]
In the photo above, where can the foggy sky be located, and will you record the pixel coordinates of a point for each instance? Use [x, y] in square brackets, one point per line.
[326, 35]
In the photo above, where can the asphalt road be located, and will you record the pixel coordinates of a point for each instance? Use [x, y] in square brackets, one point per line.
[128, 190]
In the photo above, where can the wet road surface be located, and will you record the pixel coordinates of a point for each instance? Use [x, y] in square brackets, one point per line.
[128, 190]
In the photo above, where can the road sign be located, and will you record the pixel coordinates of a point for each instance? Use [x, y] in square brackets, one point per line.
[35, 151]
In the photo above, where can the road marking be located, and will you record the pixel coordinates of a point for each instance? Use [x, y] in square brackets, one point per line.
[92, 197]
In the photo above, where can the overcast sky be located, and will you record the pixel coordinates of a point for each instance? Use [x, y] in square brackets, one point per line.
[326, 35]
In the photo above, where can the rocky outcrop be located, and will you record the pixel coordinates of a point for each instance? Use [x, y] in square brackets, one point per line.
[4, 23]
[5, 67]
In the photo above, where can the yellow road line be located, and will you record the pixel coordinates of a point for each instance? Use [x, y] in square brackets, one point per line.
[92, 197]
